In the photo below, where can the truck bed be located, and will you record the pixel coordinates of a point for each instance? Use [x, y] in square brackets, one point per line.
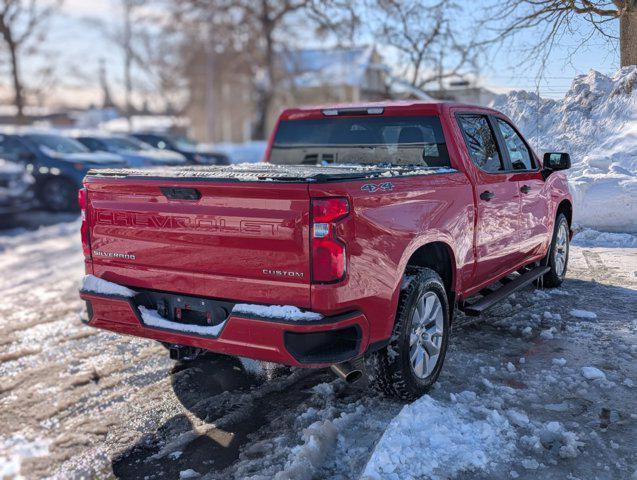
[269, 172]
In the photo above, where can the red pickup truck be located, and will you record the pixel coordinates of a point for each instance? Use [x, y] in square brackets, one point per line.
[360, 235]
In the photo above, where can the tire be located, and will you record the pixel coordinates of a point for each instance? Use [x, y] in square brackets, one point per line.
[391, 370]
[557, 257]
[59, 195]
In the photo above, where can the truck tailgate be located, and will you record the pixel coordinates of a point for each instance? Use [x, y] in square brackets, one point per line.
[237, 241]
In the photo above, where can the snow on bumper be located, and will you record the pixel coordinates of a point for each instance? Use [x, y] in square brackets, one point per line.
[312, 341]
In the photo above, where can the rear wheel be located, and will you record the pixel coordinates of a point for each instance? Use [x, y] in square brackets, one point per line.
[412, 361]
[59, 195]
[557, 258]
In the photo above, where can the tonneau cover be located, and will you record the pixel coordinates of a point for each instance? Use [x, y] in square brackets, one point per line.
[269, 172]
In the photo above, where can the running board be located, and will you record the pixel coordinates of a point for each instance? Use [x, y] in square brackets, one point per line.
[503, 292]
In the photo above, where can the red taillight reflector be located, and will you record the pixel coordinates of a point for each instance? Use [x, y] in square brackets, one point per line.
[328, 252]
[328, 257]
[82, 200]
[329, 209]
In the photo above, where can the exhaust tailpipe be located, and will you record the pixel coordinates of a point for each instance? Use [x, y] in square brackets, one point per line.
[347, 372]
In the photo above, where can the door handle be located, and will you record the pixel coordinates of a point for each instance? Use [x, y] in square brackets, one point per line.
[525, 189]
[487, 195]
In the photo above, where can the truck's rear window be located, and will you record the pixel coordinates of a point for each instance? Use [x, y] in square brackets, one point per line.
[366, 140]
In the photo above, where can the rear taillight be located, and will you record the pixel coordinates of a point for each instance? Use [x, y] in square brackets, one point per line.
[328, 252]
[82, 199]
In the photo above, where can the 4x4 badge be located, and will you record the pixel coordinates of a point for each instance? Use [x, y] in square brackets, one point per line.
[373, 187]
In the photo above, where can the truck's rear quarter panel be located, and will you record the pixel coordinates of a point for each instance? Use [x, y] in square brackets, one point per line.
[229, 244]
[384, 229]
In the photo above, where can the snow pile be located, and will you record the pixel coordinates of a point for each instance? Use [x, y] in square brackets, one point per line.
[154, 319]
[14, 450]
[93, 284]
[428, 439]
[596, 122]
[593, 238]
[283, 312]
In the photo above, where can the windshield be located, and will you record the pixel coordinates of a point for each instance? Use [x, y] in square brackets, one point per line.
[56, 143]
[367, 140]
[123, 143]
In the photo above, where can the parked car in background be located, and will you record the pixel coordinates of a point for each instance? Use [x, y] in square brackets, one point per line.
[58, 165]
[247, 152]
[135, 152]
[16, 190]
[189, 149]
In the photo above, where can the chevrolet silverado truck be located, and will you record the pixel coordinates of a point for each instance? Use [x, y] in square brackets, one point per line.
[352, 246]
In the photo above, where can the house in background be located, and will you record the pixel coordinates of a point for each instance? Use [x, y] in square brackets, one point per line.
[222, 106]
[465, 92]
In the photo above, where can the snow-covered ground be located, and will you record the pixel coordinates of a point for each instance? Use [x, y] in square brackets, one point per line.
[542, 387]
[596, 122]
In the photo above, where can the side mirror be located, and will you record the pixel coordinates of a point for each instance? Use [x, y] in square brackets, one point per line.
[557, 161]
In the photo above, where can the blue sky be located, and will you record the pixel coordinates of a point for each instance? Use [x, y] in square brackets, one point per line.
[77, 48]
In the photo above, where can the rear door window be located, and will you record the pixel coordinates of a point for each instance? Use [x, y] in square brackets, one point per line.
[519, 153]
[361, 140]
[481, 143]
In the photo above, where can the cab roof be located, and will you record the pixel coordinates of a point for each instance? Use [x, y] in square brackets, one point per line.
[382, 108]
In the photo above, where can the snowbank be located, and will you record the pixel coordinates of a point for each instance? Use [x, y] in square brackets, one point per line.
[592, 238]
[596, 122]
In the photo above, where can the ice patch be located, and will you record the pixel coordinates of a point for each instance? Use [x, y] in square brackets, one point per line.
[283, 312]
[16, 449]
[93, 284]
[592, 373]
[428, 439]
[558, 440]
[518, 418]
[253, 367]
[190, 473]
[323, 389]
[153, 319]
[583, 314]
[560, 362]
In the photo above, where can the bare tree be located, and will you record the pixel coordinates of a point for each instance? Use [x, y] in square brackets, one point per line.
[257, 32]
[554, 18]
[430, 45]
[21, 24]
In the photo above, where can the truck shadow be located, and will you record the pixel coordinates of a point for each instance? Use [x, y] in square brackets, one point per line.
[223, 405]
